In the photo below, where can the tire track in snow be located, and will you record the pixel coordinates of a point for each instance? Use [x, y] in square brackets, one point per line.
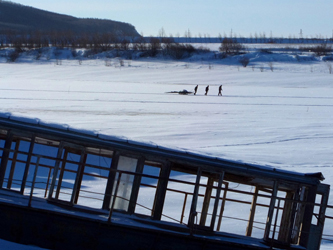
[167, 102]
[269, 142]
[142, 93]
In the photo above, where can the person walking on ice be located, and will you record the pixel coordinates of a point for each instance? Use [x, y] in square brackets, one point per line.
[207, 88]
[220, 90]
[195, 90]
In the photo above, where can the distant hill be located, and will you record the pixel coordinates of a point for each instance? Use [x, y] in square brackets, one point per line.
[25, 19]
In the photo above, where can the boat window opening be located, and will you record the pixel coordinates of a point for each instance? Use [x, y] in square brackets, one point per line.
[211, 202]
[260, 206]
[148, 186]
[200, 201]
[124, 183]
[65, 179]
[179, 197]
[94, 180]
[276, 226]
[236, 209]
[16, 164]
[47, 153]
[2, 144]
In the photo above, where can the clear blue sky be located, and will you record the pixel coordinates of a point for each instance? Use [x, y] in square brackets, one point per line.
[210, 17]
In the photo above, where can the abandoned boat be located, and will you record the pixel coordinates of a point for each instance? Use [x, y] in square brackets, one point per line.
[62, 188]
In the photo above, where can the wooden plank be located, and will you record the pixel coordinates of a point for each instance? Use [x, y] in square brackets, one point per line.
[307, 217]
[47, 183]
[110, 183]
[136, 185]
[33, 182]
[56, 170]
[5, 156]
[299, 214]
[317, 230]
[193, 211]
[284, 235]
[271, 211]
[226, 184]
[293, 235]
[276, 219]
[161, 191]
[27, 165]
[115, 197]
[217, 200]
[252, 212]
[79, 177]
[12, 167]
[206, 202]
[61, 174]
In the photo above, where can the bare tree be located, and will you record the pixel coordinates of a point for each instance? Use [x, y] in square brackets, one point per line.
[154, 46]
[262, 68]
[329, 66]
[161, 33]
[322, 49]
[244, 61]
[230, 46]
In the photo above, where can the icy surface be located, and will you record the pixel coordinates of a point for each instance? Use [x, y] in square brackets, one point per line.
[281, 118]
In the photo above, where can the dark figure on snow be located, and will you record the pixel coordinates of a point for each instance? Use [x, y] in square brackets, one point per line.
[207, 88]
[195, 90]
[220, 90]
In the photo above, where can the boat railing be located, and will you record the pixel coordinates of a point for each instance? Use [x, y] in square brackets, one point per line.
[34, 185]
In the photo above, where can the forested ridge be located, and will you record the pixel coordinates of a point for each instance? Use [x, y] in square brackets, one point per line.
[20, 19]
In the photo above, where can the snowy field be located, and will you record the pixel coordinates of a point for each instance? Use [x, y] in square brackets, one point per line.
[279, 114]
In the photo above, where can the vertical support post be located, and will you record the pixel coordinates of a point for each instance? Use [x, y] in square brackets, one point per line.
[161, 191]
[307, 217]
[115, 197]
[206, 202]
[193, 211]
[252, 212]
[12, 168]
[276, 218]
[56, 170]
[61, 175]
[5, 156]
[183, 211]
[33, 182]
[136, 185]
[294, 229]
[111, 178]
[217, 200]
[226, 185]
[26, 169]
[79, 177]
[286, 219]
[271, 211]
[317, 230]
[47, 183]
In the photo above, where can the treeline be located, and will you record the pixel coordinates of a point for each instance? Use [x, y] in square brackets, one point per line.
[124, 46]
[61, 39]
[97, 43]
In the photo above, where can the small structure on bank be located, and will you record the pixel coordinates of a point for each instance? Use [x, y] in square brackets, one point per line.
[62, 188]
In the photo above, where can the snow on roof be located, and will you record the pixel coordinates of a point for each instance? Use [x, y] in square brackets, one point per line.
[176, 153]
